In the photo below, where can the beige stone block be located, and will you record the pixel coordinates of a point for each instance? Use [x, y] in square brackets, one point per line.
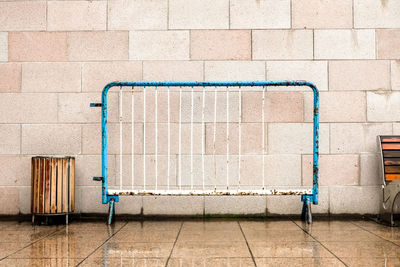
[235, 205]
[90, 200]
[10, 137]
[257, 14]
[130, 205]
[76, 15]
[313, 71]
[173, 70]
[267, 44]
[376, 14]
[395, 74]
[234, 70]
[173, 205]
[359, 75]
[344, 44]
[383, 106]
[292, 205]
[278, 107]
[251, 135]
[75, 107]
[282, 170]
[37, 46]
[95, 75]
[11, 77]
[159, 45]
[364, 199]
[388, 44]
[396, 128]
[24, 204]
[220, 45]
[137, 15]
[101, 45]
[3, 46]
[357, 137]
[28, 108]
[89, 166]
[138, 180]
[17, 172]
[342, 107]
[199, 14]
[296, 138]
[333, 170]
[51, 77]
[371, 173]
[50, 139]
[23, 16]
[91, 138]
[322, 14]
[10, 197]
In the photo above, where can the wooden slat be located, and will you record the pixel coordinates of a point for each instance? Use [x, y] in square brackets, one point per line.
[390, 146]
[391, 154]
[391, 161]
[53, 186]
[59, 185]
[391, 177]
[32, 183]
[392, 169]
[47, 186]
[391, 139]
[64, 187]
[72, 185]
[37, 187]
[41, 185]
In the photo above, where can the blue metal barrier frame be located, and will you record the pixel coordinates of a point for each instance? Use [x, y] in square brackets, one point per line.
[307, 198]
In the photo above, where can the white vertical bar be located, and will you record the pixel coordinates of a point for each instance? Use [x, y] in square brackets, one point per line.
[263, 139]
[144, 138]
[240, 135]
[214, 137]
[203, 136]
[191, 141]
[120, 137]
[169, 141]
[133, 137]
[227, 137]
[180, 138]
[156, 135]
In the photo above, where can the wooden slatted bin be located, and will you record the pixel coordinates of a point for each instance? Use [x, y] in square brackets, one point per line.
[53, 186]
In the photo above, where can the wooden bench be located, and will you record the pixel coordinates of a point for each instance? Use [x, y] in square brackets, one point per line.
[390, 158]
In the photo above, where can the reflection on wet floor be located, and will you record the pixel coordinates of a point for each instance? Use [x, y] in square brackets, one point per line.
[213, 242]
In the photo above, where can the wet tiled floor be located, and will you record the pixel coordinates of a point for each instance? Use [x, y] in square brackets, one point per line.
[201, 243]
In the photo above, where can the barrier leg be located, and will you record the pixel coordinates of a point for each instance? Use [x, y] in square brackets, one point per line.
[306, 214]
[111, 212]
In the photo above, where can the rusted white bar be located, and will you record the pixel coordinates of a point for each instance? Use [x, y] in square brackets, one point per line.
[169, 139]
[297, 191]
[240, 137]
[203, 145]
[191, 140]
[227, 138]
[180, 139]
[263, 138]
[156, 135]
[214, 137]
[133, 137]
[144, 138]
[120, 137]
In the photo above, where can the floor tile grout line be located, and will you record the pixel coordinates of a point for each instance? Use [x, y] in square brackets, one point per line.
[173, 246]
[30, 244]
[102, 244]
[375, 234]
[319, 242]
[247, 244]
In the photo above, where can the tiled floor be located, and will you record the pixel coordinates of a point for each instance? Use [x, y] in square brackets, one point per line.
[201, 243]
